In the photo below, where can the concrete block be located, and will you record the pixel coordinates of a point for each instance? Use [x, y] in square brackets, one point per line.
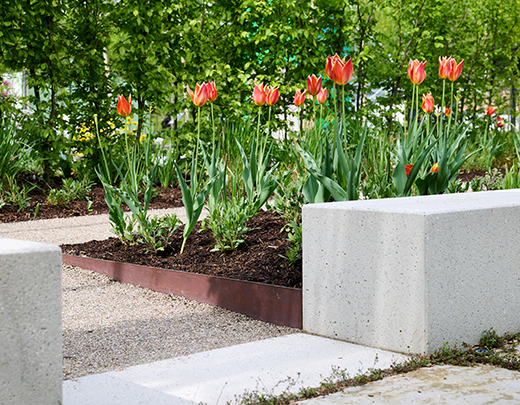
[409, 274]
[30, 323]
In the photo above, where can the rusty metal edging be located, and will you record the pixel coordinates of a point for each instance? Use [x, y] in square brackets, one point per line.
[269, 303]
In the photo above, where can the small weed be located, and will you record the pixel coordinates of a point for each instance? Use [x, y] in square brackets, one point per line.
[490, 339]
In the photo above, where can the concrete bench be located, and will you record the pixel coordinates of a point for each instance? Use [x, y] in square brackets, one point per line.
[30, 323]
[409, 274]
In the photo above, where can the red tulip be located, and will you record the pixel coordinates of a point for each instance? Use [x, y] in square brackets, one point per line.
[490, 110]
[454, 70]
[322, 96]
[443, 67]
[328, 65]
[200, 96]
[212, 91]
[299, 98]
[416, 71]
[427, 103]
[124, 107]
[272, 95]
[435, 168]
[407, 169]
[447, 111]
[313, 85]
[500, 122]
[339, 71]
[259, 95]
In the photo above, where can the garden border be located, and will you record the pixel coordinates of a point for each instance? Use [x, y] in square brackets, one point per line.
[270, 303]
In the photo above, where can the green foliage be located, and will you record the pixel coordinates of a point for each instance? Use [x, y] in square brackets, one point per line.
[227, 223]
[490, 339]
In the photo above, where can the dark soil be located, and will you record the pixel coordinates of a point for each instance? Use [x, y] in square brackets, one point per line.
[258, 259]
[166, 198]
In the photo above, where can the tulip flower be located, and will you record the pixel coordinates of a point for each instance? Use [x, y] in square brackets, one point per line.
[443, 67]
[490, 110]
[454, 70]
[407, 169]
[200, 96]
[447, 111]
[427, 104]
[313, 85]
[435, 168]
[259, 95]
[212, 91]
[416, 71]
[322, 96]
[500, 122]
[299, 98]
[271, 95]
[339, 71]
[124, 108]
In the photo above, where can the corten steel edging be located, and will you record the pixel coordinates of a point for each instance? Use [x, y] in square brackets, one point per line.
[269, 303]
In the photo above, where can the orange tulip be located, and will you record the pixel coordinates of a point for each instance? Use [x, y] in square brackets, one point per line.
[447, 111]
[271, 95]
[124, 108]
[212, 91]
[443, 67]
[322, 96]
[435, 168]
[313, 85]
[200, 96]
[500, 122]
[328, 65]
[416, 71]
[339, 71]
[299, 98]
[427, 103]
[490, 110]
[407, 169]
[454, 70]
[259, 95]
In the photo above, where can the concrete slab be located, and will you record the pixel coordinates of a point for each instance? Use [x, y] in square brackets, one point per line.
[409, 274]
[30, 323]
[440, 385]
[269, 366]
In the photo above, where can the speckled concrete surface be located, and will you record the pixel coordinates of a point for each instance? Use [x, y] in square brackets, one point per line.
[439, 385]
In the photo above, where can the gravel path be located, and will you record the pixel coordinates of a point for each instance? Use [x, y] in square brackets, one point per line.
[108, 325]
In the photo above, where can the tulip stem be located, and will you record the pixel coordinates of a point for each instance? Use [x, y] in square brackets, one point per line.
[335, 111]
[213, 125]
[451, 104]
[343, 108]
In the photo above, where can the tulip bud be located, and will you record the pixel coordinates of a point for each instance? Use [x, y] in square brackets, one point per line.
[322, 96]
[427, 104]
[200, 96]
[272, 95]
[500, 122]
[435, 168]
[416, 71]
[124, 108]
[339, 71]
[443, 67]
[212, 91]
[454, 70]
[259, 96]
[313, 85]
[447, 111]
[299, 98]
[490, 110]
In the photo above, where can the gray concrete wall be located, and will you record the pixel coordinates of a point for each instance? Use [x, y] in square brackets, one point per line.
[30, 323]
[409, 274]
